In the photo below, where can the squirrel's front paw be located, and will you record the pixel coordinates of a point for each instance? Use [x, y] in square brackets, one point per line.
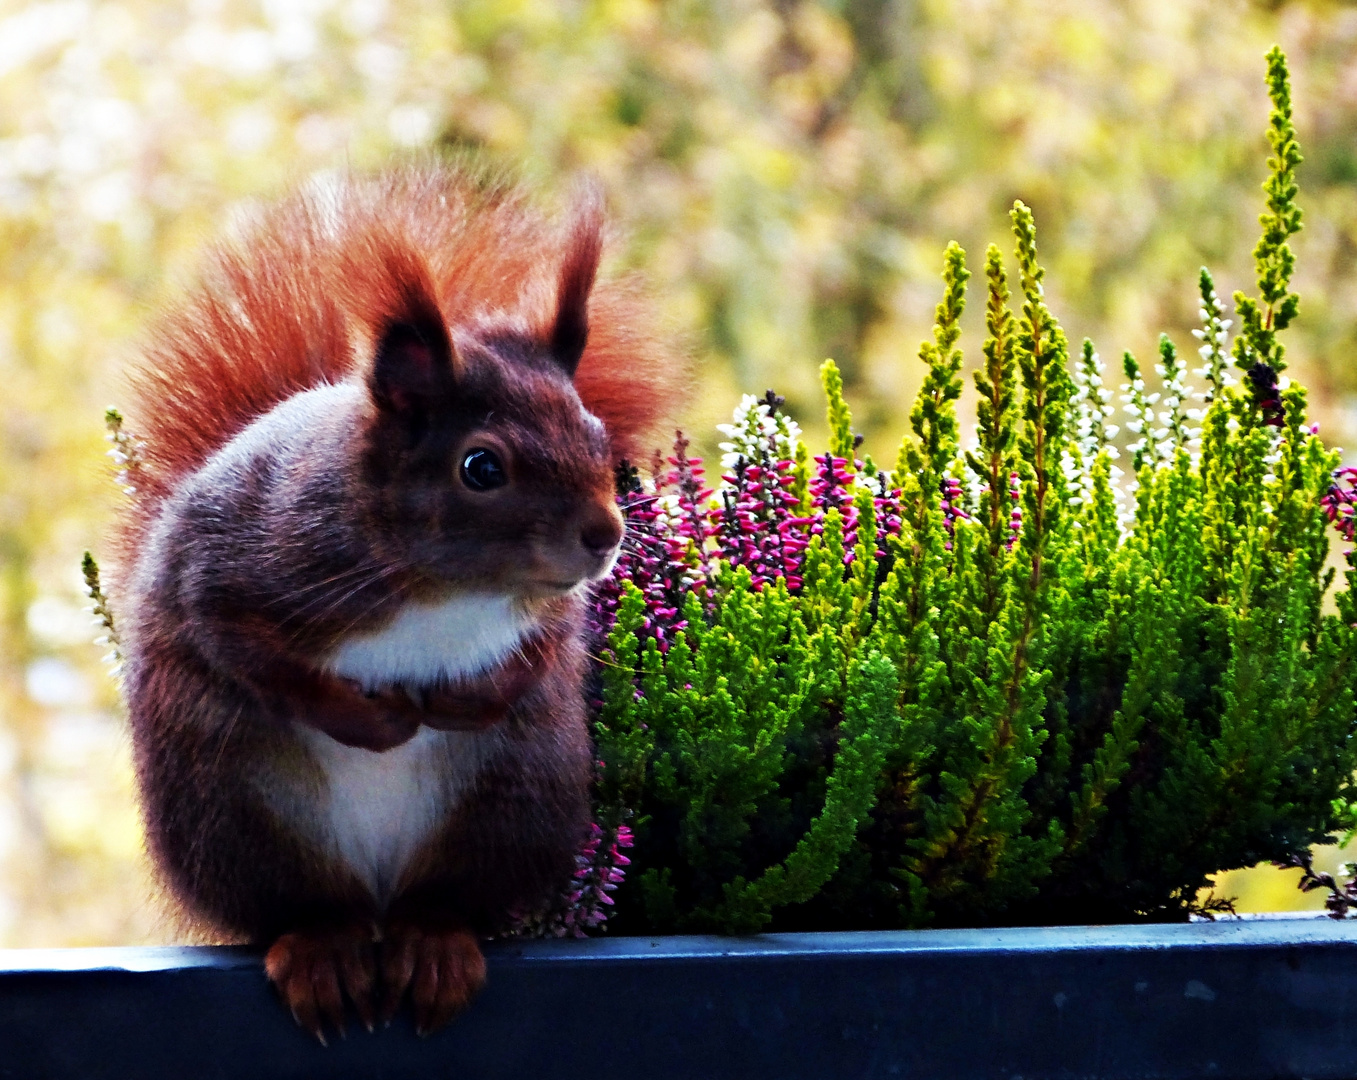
[314, 969]
[442, 967]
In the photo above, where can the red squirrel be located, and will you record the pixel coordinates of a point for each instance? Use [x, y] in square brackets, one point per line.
[376, 479]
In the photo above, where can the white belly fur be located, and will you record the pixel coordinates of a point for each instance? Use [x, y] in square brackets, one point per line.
[428, 643]
[378, 809]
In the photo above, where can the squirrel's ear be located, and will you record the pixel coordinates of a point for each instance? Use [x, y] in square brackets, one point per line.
[414, 364]
[584, 245]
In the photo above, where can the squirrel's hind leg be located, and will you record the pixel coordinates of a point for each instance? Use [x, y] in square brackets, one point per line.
[315, 969]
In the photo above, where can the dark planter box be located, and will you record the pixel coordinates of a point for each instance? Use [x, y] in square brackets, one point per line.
[1259, 998]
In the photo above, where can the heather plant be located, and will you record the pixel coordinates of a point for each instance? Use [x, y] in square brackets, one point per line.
[994, 684]
[1004, 683]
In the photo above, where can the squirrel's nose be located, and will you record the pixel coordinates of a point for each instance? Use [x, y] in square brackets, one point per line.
[601, 534]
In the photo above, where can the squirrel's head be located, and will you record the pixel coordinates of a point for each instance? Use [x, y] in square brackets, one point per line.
[485, 469]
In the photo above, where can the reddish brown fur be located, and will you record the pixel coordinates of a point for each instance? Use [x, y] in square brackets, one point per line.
[307, 417]
[279, 309]
[584, 246]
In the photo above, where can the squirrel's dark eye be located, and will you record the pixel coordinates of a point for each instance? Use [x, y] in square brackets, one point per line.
[482, 470]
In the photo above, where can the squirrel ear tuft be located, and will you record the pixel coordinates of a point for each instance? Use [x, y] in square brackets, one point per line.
[412, 368]
[414, 364]
[583, 247]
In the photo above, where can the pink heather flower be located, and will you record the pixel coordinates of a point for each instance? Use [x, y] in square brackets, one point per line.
[1262, 379]
[581, 906]
[889, 514]
[1015, 515]
[677, 528]
[950, 504]
[1340, 505]
[653, 558]
[756, 526]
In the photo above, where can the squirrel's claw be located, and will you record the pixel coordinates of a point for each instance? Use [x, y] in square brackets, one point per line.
[358, 968]
[313, 970]
[443, 969]
[398, 968]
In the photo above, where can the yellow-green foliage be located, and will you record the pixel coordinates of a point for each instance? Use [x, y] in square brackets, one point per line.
[1080, 721]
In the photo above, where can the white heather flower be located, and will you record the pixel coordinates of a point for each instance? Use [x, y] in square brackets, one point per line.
[755, 431]
[1091, 409]
[1215, 337]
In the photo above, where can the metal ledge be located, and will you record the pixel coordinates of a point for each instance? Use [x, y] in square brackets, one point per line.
[1239, 999]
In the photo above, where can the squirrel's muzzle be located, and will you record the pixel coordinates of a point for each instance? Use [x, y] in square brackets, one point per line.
[582, 549]
[600, 533]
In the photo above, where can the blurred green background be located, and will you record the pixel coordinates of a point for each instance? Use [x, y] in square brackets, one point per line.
[786, 173]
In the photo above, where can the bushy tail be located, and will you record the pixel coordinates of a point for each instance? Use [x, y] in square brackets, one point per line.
[287, 304]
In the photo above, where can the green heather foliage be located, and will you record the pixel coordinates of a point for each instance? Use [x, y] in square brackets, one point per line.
[987, 686]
